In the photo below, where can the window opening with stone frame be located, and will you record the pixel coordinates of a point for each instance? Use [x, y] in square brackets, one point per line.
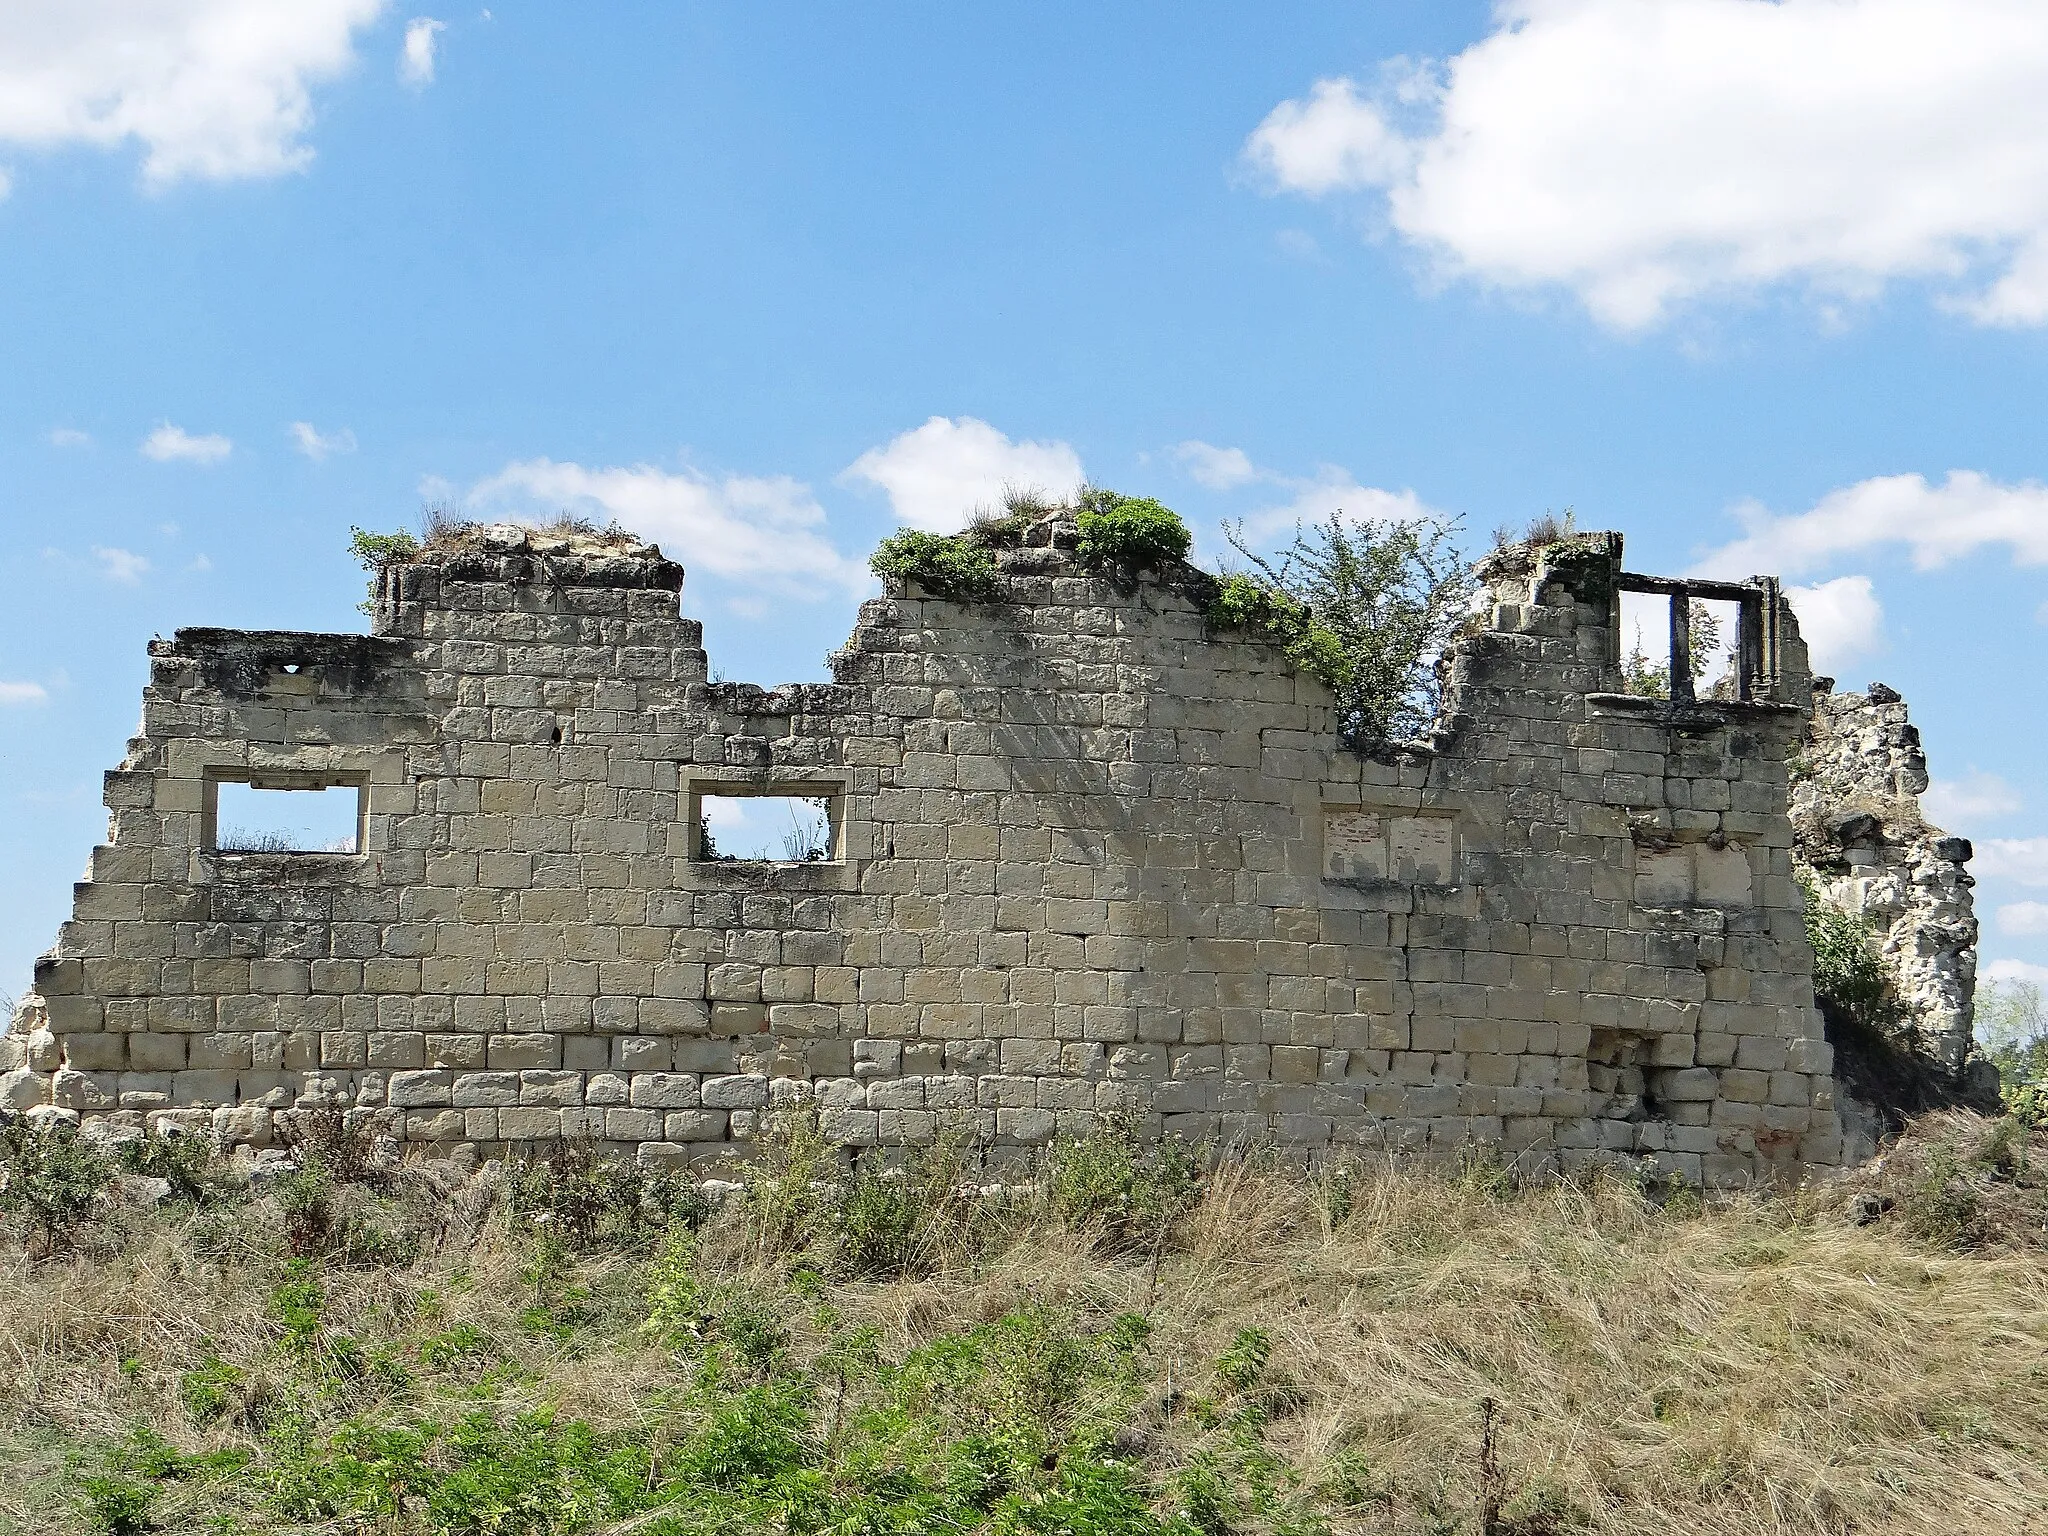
[1713, 639]
[286, 814]
[782, 824]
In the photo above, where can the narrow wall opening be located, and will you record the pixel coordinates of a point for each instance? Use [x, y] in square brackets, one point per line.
[285, 818]
[739, 825]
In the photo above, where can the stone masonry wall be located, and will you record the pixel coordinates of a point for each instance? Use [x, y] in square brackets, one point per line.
[1090, 855]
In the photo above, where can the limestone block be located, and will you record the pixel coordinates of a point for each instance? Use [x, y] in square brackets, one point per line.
[95, 1053]
[735, 1091]
[431, 1088]
[71, 1089]
[1028, 1127]
[1723, 876]
[485, 1090]
[543, 1086]
[23, 1088]
[632, 1124]
[1664, 878]
[666, 1090]
[529, 1124]
[510, 1053]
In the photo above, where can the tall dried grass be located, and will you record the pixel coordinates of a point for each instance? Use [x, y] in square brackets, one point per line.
[1767, 1363]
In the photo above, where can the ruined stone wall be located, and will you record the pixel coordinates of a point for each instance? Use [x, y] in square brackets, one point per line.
[1856, 811]
[1091, 854]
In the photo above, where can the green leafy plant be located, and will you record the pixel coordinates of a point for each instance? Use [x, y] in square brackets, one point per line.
[1848, 972]
[956, 569]
[208, 1389]
[1126, 534]
[1128, 1188]
[597, 1202]
[374, 551]
[1363, 605]
[184, 1162]
[2012, 1030]
[52, 1178]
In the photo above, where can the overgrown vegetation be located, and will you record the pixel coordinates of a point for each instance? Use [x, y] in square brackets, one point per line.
[1121, 535]
[1126, 1339]
[1849, 974]
[955, 567]
[1366, 606]
[2012, 1030]
[1114, 534]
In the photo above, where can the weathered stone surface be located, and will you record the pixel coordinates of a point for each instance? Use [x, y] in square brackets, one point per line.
[1090, 854]
[1856, 815]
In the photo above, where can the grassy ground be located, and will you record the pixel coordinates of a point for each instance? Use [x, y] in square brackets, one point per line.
[1130, 1346]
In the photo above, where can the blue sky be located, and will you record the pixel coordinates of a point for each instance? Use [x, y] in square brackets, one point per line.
[1762, 285]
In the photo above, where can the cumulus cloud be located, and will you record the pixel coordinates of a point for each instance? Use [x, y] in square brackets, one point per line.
[2015, 970]
[1335, 492]
[2023, 860]
[2023, 917]
[22, 693]
[317, 445]
[211, 89]
[936, 475]
[1841, 621]
[1967, 512]
[169, 444]
[416, 54]
[121, 565]
[764, 532]
[69, 437]
[1219, 469]
[1976, 796]
[1639, 156]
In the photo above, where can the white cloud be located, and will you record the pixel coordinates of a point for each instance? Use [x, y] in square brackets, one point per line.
[1333, 492]
[69, 437]
[2015, 970]
[22, 693]
[1937, 523]
[1219, 469]
[212, 89]
[763, 532]
[122, 565]
[2020, 859]
[2023, 917]
[936, 475]
[1841, 621]
[1976, 796]
[317, 445]
[1301, 245]
[168, 444]
[1335, 140]
[1641, 155]
[416, 55]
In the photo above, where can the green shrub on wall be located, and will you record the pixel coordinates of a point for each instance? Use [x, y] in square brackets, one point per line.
[952, 567]
[1365, 606]
[1128, 533]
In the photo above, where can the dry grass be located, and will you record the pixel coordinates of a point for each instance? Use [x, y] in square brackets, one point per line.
[1794, 1363]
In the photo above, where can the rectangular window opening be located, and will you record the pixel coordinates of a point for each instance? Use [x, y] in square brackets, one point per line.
[251, 818]
[1712, 630]
[735, 825]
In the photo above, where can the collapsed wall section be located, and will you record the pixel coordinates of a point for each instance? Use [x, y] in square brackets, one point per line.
[1089, 854]
[1864, 843]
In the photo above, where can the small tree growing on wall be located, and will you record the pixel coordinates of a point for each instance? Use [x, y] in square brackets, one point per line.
[1364, 605]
